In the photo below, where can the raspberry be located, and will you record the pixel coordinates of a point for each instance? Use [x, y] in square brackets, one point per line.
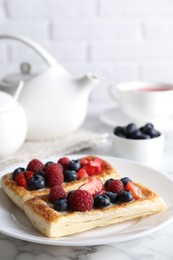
[54, 174]
[115, 186]
[56, 192]
[20, 180]
[81, 200]
[64, 161]
[35, 165]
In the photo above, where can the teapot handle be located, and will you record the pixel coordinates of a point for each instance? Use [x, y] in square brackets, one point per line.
[36, 47]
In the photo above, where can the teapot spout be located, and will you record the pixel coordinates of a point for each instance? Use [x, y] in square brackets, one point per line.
[88, 80]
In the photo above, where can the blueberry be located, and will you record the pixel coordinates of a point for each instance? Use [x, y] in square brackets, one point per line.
[68, 195]
[107, 183]
[125, 196]
[36, 182]
[112, 196]
[74, 165]
[17, 171]
[148, 126]
[125, 180]
[70, 175]
[61, 205]
[101, 201]
[139, 135]
[48, 163]
[40, 173]
[154, 133]
[120, 131]
[131, 128]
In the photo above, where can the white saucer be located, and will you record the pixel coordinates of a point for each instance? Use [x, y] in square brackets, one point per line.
[115, 116]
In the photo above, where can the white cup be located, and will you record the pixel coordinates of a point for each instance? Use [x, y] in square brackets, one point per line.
[144, 101]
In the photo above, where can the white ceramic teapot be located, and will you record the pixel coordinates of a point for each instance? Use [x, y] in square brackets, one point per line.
[55, 103]
[13, 123]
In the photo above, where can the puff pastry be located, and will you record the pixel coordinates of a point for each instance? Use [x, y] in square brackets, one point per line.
[57, 224]
[19, 194]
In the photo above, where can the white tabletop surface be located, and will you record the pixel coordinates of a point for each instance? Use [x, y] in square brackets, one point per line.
[157, 245]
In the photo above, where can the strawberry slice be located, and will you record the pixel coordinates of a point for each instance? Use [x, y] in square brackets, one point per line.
[20, 180]
[28, 175]
[92, 170]
[84, 161]
[135, 190]
[94, 163]
[94, 186]
[82, 174]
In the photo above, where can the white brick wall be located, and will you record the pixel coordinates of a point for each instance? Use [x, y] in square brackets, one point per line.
[118, 40]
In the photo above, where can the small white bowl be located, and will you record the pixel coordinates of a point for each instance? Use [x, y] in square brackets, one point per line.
[146, 151]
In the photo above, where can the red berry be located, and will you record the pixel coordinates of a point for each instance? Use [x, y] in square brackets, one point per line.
[20, 180]
[28, 175]
[56, 192]
[35, 165]
[81, 200]
[54, 174]
[82, 174]
[84, 161]
[64, 161]
[93, 186]
[115, 186]
[94, 166]
[135, 190]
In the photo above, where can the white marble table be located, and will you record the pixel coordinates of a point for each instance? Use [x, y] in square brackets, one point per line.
[157, 245]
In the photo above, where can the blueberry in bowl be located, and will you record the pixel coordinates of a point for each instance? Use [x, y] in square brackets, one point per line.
[140, 143]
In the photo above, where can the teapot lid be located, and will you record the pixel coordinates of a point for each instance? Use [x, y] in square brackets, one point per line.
[13, 79]
[7, 102]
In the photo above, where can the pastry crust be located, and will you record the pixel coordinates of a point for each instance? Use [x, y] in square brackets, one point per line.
[19, 194]
[57, 224]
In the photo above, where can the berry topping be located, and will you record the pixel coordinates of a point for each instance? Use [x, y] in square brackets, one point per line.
[135, 190]
[93, 166]
[93, 186]
[101, 201]
[48, 163]
[20, 179]
[74, 165]
[82, 174]
[115, 186]
[40, 173]
[54, 174]
[56, 192]
[125, 196]
[36, 183]
[81, 200]
[125, 180]
[112, 196]
[28, 175]
[16, 171]
[70, 175]
[64, 161]
[35, 165]
[107, 183]
[61, 205]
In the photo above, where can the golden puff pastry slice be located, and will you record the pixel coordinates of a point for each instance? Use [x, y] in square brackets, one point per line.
[56, 224]
[19, 194]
